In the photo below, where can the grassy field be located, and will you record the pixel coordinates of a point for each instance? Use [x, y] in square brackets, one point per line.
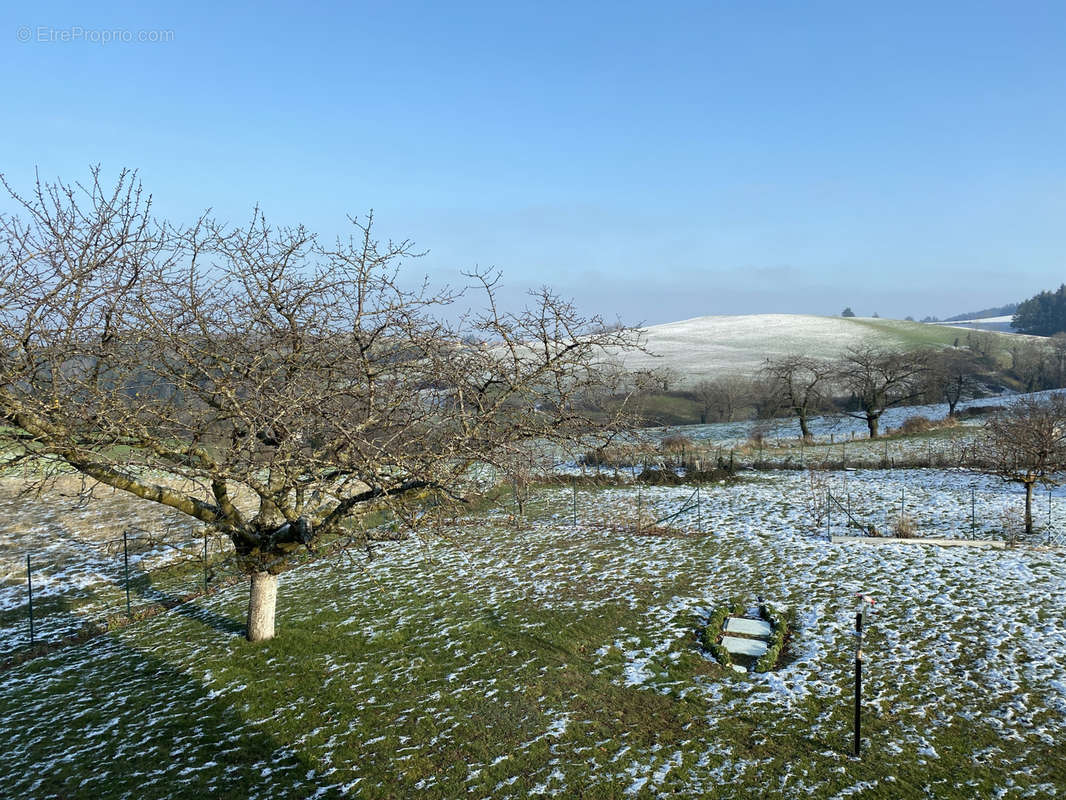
[562, 660]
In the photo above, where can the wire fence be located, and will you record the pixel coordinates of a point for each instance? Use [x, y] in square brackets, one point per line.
[919, 504]
[93, 586]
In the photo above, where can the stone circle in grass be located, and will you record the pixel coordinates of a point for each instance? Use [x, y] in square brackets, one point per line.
[745, 638]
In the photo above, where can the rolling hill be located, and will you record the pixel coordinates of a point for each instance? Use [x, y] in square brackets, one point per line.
[705, 347]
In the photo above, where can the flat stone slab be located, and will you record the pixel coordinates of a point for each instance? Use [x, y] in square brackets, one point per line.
[991, 543]
[744, 647]
[738, 668]
[751, 627]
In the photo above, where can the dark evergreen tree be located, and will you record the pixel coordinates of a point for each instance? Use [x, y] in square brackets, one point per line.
[1043, 314]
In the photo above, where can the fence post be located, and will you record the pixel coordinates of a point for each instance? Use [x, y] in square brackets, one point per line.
[902, 504]
[828, 513]
[973, 513]
[126, 568]
[858, 682]
[205, 560]
[640, 508]
[1049, 516]
[29, 583]
[573, 483]
[699, 511]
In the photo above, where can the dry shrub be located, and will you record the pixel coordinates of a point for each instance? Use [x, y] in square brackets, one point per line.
[904, 527]
[920, 424]
[676, 443]
[815, 497]
[917, 424]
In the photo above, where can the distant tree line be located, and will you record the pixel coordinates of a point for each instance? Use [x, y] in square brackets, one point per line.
[1043, 314]
[998, 311]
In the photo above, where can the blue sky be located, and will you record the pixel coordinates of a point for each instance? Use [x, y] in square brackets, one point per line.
[654, 162]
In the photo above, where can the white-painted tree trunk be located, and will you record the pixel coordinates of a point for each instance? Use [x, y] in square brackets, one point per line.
[262, 598]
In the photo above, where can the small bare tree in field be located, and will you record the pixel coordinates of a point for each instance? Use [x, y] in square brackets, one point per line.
[951, 377]
[879, 380]
[800, 382]
[265, 382]
[1026, 444]
[722, 398]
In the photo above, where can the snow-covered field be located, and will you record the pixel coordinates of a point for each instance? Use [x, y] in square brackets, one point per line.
[561, 661]
[708, 347]
[702, 347]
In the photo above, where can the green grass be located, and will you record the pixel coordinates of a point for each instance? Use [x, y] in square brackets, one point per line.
[915, 335]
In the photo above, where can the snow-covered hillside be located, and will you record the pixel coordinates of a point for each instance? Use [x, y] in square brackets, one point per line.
[705, 347]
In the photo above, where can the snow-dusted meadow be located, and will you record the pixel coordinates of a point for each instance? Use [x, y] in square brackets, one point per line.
[561, 660]
[838, 427]
[712, 346]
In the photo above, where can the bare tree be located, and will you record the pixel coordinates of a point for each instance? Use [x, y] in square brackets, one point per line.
[1058, 358]
[952, 376]
[1026, 444]
[878, 380]
[263, 382]
[1032, 363]
[800, 382]
[722, 398]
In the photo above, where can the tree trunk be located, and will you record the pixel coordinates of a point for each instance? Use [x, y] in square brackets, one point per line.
[261, 601]
[871, 424]
[1028, 508]
[804, 430]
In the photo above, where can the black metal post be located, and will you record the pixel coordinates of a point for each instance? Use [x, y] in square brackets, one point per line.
[640, 508]
[29, 583]
[573, 483]
[858, 683]
[126, 565]
[973, 512]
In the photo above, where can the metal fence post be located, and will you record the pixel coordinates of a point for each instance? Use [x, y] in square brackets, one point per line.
[1049, 516]
[828, 512]
[699, 511]
[973, 512]
[858, 682]
[126, 565]
[29, 583]
[573, 483]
